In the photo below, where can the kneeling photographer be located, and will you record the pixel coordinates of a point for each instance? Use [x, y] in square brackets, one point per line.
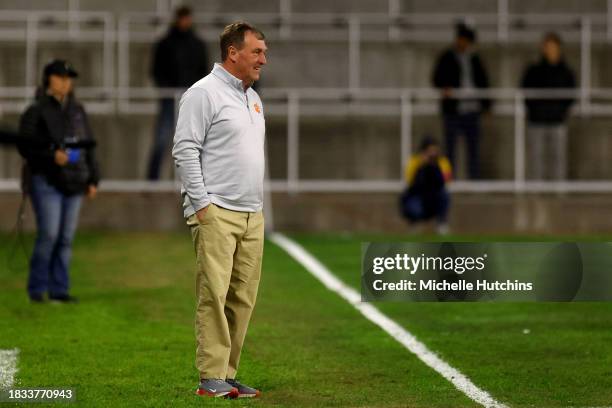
[58, 145]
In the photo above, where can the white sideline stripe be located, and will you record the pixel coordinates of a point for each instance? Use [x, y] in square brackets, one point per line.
[8, 367]
[404, 337]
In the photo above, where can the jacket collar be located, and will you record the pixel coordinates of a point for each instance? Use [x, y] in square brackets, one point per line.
[50, 101]
[224, 75]
[174, 31]
[544, 61]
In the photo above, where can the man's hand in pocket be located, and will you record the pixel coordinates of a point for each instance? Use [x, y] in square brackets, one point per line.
[201, 213]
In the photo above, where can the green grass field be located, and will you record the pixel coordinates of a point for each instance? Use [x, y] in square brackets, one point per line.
[130, 341]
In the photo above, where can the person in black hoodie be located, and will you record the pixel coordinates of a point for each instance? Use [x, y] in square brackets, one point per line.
[179, 60]
[546, 118]
[56, 140]
[460, 68]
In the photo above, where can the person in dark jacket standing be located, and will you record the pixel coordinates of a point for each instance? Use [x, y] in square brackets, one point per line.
[57, 143]
[179, 60]
[546, 118]
[460, 68]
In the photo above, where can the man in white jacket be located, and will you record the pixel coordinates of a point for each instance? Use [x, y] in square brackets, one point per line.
[219, 155]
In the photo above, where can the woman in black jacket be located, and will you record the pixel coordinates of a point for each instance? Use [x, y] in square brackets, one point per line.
[547, 118]
[57, 143]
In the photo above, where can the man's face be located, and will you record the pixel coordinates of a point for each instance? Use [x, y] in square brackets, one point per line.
[551, 51]
[60, 85]
[250, 58]
[463, 44]
[431, 153]
[184, 23]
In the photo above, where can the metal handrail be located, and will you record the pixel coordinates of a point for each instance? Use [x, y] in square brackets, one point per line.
[409, 103]
[354, 28]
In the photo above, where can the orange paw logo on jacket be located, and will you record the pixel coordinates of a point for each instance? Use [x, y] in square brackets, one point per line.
[257, 108]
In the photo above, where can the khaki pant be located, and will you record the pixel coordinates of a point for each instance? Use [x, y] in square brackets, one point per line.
[229, 248]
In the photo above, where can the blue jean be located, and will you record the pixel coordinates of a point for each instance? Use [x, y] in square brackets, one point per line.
[418, 208]
[57, 217]
[468, 125]
[164, 131]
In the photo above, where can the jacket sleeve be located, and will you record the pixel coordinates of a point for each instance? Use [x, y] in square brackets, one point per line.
[439, 77]
[570, 83]
[529, 80]
[446, 168]
[30, 145]
[482, 81]
[90, 155]
[159, 66]
[411, 169]
[196, 112]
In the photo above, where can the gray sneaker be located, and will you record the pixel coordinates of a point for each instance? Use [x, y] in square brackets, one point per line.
[244, 391]
[215, 387]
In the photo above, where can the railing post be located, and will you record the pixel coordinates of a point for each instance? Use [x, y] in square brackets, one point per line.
[285, 19]
[502, 20]
[31, 49]
[107, 51]
[293, 141]
[609, 21]
[123, 64]
[405, 130]
[74, 23]
[585, 64]
[354, 52]
[519, 142]
[162, 8]
[394, 13]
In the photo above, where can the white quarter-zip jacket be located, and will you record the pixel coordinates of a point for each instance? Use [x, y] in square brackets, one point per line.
[219, 144]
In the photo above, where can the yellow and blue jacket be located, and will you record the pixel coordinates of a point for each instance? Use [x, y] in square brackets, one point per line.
[415, 163]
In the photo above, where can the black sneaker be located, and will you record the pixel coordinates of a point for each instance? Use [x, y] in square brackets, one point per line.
[63, 299]
[37, 298]
[244, 391]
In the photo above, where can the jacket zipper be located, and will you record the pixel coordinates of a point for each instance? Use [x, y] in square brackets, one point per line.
[247, 106]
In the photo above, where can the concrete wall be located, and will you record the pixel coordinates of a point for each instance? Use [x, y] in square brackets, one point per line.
[470, 213]
[345, 147]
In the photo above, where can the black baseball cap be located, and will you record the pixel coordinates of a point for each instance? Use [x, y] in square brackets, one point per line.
[60, 67]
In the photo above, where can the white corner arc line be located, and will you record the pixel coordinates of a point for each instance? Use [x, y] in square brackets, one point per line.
[403, 336]
[8, 367]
